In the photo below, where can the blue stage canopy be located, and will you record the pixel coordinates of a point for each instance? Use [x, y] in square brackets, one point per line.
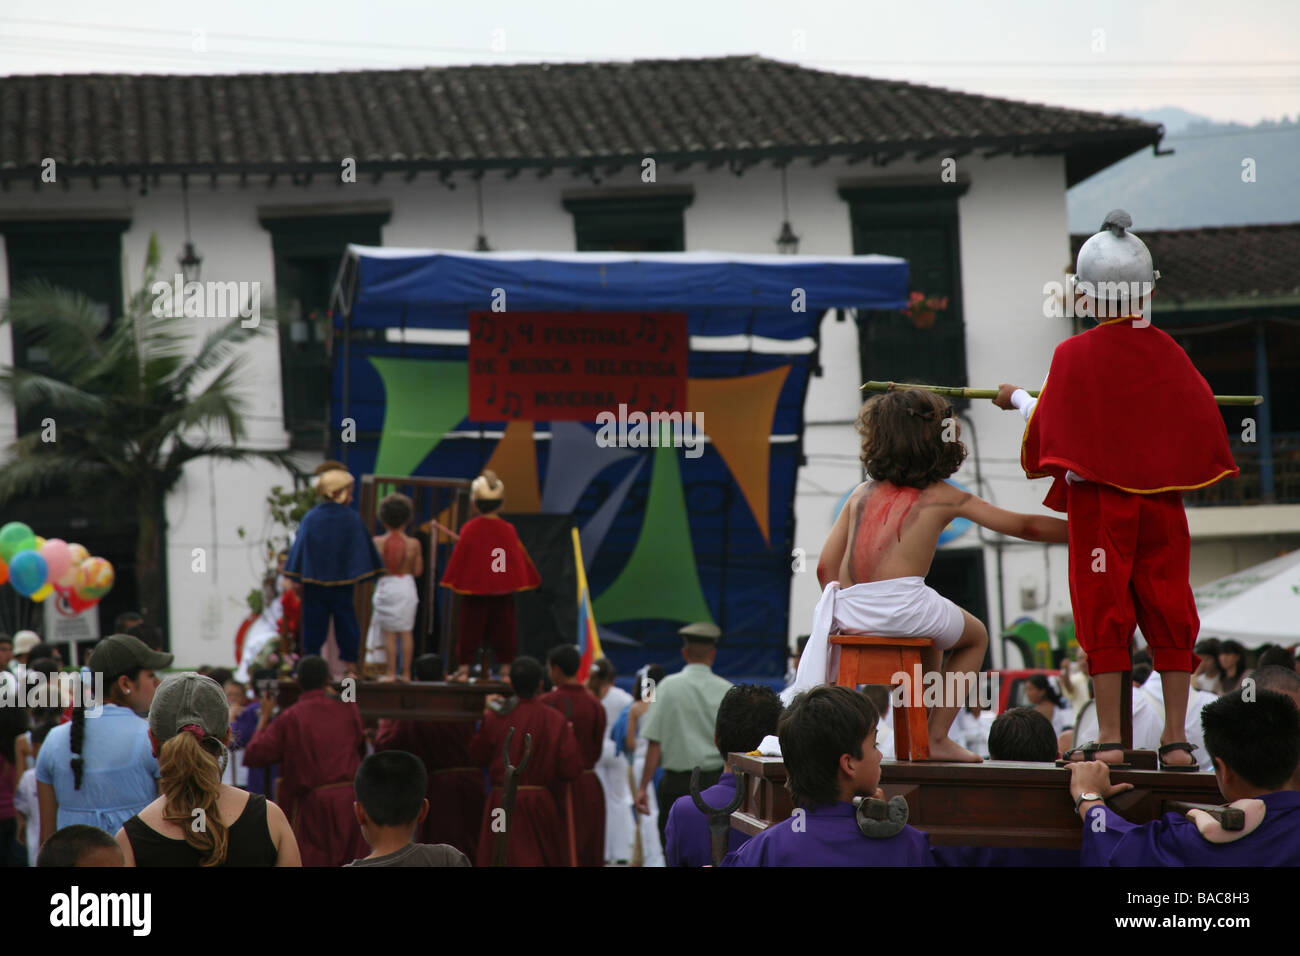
[744, 577]
[722, 293]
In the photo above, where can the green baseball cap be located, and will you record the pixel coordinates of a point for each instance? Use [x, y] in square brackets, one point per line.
[189, 699]
[119, 653]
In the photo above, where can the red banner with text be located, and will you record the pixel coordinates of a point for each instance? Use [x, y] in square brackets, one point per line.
[570, 366]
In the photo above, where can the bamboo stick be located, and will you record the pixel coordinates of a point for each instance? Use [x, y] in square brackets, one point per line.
[954, 392]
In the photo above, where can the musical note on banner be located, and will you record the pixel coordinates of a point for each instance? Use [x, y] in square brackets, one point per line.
[486, 329]
[646, 332]
[492, 395]
[667, 340]
[636, 387]
[513, 406]
[505, 341]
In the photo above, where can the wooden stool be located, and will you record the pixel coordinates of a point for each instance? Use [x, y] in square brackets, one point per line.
[876, 660]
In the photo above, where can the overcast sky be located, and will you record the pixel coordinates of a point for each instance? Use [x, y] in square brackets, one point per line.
[1227, 59]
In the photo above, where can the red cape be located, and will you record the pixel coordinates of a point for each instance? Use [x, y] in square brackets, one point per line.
[474, 569]
[1124, 406]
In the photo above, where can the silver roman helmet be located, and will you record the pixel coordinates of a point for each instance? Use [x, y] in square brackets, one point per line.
[1115, 264]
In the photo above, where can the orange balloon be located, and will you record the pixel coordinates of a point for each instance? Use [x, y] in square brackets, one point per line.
[4, 571]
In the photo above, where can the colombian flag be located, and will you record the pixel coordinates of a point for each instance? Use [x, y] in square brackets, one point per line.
[588, 640]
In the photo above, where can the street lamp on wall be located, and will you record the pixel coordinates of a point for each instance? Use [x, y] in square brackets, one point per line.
[787, 243]
[190, 261]
[481, 244]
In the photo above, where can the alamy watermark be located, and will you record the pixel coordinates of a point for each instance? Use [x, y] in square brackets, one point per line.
[179, 299]
[639, 429]
[53, 691]
[1102, 300]
[950, 689]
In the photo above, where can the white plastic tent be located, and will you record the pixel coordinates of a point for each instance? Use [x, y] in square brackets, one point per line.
[1260, 605]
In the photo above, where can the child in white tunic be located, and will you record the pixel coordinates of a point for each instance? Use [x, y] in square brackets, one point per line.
[874, 562]
[395, 601]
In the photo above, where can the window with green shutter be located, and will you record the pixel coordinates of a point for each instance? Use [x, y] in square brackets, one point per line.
[308, 250]
[918, 223]
[617, 223]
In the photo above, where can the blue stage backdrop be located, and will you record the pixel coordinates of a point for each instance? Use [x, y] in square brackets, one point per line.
[744, 578]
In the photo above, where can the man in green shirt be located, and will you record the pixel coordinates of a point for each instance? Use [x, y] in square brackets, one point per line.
[679, 724]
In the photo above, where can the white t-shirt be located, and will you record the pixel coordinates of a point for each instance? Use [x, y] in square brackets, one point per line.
[1148, 722]
[26, 803]
[1196, 701]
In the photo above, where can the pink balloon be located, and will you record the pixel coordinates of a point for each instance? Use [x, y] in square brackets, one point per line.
[57, 556]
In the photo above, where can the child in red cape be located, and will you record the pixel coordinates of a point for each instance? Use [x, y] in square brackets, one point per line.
[1126, 426]
[487, 566]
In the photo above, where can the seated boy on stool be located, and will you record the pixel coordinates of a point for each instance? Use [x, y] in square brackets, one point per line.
[828, 740]
[1253, 735]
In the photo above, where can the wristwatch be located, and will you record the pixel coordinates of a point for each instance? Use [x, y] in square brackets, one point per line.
[1086, 797]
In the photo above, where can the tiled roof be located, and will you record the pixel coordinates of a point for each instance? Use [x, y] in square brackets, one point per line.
[1229, 262]
[738, 109]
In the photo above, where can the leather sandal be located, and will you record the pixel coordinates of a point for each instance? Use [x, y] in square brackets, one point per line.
[1090, 751]
[1171, 768]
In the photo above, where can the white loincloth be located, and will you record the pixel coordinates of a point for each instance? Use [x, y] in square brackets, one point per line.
[896, 607]
[395, 602]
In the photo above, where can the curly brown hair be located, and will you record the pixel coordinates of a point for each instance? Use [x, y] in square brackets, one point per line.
[903, 438]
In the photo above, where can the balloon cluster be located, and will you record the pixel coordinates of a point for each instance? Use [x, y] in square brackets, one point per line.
[37, 568]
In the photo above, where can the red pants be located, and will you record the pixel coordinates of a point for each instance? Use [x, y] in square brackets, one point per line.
[1129, 560]
[486, 619]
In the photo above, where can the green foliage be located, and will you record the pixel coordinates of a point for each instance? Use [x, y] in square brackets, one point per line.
[133, 403]
[286, 510]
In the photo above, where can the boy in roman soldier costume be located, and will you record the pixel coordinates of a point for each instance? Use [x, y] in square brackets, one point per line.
[487, 566]
[1123, 425]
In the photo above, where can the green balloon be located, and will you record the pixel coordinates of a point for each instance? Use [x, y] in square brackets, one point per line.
[15, 537]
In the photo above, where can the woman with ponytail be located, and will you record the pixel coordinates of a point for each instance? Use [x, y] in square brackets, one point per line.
[198, 820]
[98, 768]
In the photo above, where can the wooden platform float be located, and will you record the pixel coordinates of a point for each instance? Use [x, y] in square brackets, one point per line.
[996, 803]
[413, 700]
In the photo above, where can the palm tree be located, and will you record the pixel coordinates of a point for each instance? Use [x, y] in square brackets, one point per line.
[131, 405]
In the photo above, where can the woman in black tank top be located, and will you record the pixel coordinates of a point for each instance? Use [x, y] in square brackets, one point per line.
[248, 842]
[189, 727]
